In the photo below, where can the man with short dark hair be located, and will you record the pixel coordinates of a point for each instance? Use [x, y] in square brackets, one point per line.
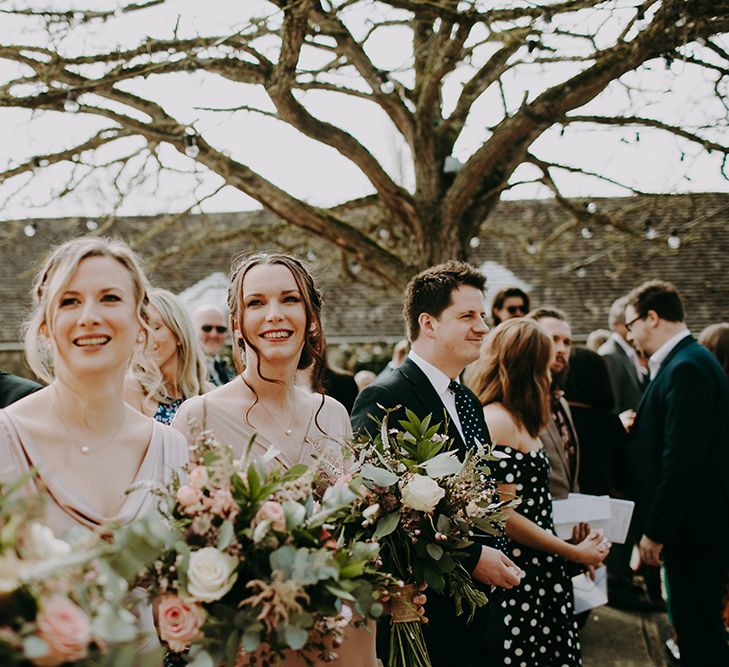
[559, 437]
[444, 312]
[508, 303]
[679, 446]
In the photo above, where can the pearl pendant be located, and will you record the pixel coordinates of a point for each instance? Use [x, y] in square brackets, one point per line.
[85, 450]
[288, 431]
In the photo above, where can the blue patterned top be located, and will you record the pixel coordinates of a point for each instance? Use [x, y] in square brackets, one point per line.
[166, 411]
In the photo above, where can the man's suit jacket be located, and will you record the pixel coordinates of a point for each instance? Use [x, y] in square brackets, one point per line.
[13, 388]
[624, 380]
[678, 448]
[561, 480]
[450, 640]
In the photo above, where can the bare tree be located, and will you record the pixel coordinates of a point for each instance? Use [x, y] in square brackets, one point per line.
[292, 48]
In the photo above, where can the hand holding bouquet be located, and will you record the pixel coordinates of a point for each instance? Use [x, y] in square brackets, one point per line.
[424, 506]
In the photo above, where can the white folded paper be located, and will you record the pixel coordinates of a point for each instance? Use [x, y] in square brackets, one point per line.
[588, 593]
[612, 515]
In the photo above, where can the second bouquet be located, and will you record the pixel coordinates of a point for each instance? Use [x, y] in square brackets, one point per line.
[255, 571]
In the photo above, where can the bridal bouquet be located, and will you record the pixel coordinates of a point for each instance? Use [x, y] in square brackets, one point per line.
[423, 506]
[65, 602]
[255, 566]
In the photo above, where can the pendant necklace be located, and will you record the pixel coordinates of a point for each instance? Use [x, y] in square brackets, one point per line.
[287, 431]
[84, 449]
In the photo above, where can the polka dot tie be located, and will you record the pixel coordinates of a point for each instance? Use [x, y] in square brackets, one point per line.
[469, 414]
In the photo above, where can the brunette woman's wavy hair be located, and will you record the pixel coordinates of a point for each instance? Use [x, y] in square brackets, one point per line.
[312, 353]
[514, 370]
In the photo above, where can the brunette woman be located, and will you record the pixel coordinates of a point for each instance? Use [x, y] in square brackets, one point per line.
[512, 380]
[174, 369]
[275, 311]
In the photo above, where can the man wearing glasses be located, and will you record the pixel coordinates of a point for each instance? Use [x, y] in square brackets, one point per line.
[212, 329]
[678, 447]
[509, 303]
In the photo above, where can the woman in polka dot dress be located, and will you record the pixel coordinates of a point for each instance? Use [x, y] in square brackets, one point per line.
[512, 381]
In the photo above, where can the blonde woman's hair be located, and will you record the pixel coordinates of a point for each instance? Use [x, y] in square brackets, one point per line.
[53, 279]
[191, 370]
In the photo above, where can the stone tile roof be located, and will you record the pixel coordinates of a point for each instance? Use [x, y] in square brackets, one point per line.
[616, 256]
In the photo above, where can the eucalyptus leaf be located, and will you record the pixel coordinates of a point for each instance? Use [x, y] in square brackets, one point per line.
[383, 478]
[202, 659]
[296, 637]
[435, 551]
[35, 647]
[225, 535]
[387, 525]
[442, 465]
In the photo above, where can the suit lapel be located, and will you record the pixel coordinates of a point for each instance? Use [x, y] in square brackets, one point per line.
[684, 342]
[428, 398]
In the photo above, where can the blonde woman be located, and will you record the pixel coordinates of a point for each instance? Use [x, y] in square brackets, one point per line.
[174, 369]
[84, 444]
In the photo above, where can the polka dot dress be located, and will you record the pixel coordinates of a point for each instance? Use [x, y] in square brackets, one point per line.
[539, 613]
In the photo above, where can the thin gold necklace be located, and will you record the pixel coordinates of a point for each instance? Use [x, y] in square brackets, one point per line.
[287, 431]
[84, 449]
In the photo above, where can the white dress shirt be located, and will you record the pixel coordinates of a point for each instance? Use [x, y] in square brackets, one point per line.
[659, 356]
[440, 382]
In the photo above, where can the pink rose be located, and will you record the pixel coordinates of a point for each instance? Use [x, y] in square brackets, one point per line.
[66, 629]
[221, 503]
[179, 622]
[188, 496]
[198, 477]
[273, 512]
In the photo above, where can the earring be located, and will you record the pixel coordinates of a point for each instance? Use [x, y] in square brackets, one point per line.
[140, 339]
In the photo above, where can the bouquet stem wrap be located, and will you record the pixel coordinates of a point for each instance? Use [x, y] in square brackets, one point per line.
[403, 610]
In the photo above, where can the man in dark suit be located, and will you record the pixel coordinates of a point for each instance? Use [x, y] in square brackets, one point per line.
[560, 436]
[626, 381]
[13, 388]
[679, 443]
[212, 330]
[444, 311]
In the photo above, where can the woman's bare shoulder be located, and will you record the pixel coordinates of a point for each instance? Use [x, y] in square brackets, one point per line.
[501, 424]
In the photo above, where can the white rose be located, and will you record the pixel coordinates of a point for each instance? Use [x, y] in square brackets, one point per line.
[422, 493]
[40, 543]
[210, 574]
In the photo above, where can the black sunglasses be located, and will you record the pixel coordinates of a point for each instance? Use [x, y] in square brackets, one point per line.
[219, 328]
[513, 310]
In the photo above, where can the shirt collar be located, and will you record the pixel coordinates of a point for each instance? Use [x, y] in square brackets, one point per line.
[659, 356]
[437, 377]
[625, 345]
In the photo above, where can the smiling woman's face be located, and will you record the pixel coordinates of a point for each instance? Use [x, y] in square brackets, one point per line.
[95, 323]
[274, 316]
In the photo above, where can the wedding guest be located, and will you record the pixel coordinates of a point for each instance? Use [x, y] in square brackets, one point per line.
[512, 380]
[275, 309]
[508, 303]
[174, 369]
[715, 338]
[679, 445]
[444, 313]
[599, 429]
[399, 354]
[597, 338]
[364, 378]
[13, 388]
[212, 329]
[559, 437]
[84, 445]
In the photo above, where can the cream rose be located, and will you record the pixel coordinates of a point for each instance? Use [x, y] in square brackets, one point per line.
[179, 623]
[273, 512]
[198, 477]
[422, 493]
[66, 629]
[210, 574]
[40, 543]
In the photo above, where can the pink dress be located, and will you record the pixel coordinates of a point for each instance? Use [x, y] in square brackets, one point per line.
[67, 509]
[326, 428]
